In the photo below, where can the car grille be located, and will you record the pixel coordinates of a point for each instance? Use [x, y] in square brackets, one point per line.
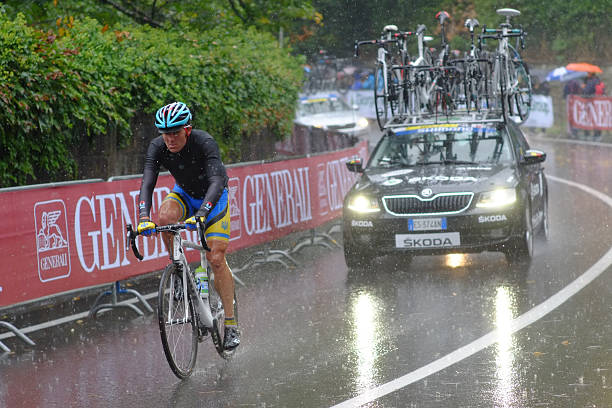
[445, 203]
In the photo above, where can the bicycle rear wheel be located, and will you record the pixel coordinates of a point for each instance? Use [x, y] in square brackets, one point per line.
[177, 322]
[218, 314]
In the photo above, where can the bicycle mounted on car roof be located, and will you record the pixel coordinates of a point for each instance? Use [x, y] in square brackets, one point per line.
[425, 89]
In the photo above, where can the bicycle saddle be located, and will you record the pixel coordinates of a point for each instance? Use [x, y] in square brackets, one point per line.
[442, 16]
[471, 23]
[421, 28]
[508, 12]
[389, 28]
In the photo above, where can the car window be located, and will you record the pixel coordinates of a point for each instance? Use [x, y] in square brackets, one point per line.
[321, 105]
[421, 146]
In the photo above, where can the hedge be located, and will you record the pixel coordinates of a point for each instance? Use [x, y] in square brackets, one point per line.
[60, 86]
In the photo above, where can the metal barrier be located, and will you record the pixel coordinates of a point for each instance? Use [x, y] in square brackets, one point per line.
[313, 239]
[116, 289]
[103, 235]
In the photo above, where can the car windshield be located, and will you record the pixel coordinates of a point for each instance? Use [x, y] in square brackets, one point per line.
[447, 144]
[314, 106]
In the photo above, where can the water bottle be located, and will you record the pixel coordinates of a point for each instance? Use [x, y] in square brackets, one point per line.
[202, 281]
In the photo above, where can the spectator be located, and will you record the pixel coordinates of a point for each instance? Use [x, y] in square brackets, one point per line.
[368, 81]
[572, 87]
[593, 86]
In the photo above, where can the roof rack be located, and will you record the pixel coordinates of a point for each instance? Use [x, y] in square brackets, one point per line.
[485, 116]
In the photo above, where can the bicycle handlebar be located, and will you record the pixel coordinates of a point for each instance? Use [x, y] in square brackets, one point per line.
[497, 34]
[498, 31]
[172, 228]
[371, 42]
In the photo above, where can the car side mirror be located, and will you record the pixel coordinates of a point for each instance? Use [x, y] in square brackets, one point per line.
[355, 165]
[533, 157]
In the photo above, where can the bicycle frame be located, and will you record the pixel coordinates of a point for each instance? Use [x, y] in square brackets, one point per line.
[204, 314]
[205, 317]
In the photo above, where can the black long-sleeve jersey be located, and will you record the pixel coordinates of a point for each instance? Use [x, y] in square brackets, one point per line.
[197, 169]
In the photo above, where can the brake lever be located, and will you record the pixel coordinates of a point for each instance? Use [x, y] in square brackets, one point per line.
[131, 238]
[200, 227]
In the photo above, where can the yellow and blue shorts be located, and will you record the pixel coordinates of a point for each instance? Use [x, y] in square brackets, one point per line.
[218, 220]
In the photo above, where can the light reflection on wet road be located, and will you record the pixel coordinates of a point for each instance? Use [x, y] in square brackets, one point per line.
[319, 335]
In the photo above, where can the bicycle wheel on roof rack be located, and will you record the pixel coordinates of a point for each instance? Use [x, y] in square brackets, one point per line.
[522, 97]
[396, 96]
[381, 99]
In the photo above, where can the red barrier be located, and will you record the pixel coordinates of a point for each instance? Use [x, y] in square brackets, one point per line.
[60, 238]
[593, 113]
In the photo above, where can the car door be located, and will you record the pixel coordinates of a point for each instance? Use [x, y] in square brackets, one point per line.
[532, 175]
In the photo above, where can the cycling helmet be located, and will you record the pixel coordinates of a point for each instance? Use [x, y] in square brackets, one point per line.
[172, 117]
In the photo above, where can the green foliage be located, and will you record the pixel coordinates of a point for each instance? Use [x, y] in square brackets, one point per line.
[57, 89]
[563, 29]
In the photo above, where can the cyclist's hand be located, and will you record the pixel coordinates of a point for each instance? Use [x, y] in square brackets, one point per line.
[191, 222]
[146, 226]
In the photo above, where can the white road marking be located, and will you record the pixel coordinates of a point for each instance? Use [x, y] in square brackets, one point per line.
[489, 339]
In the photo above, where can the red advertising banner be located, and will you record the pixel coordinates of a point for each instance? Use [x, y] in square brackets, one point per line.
[593, 113]
[59, 238]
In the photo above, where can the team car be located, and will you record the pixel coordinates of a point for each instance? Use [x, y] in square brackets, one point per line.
[329, 112]
[430, 189]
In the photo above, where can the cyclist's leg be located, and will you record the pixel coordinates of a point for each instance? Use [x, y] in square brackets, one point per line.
[173, 209]
[224, 282]
[217, 236]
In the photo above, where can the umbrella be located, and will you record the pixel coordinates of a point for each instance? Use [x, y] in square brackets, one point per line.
[584, 67]
[563, 74]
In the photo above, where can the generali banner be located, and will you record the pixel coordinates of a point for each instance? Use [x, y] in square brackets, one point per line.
[590, 113]
[60, 238]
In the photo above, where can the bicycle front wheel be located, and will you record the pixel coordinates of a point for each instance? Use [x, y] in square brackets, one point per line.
[177, 322]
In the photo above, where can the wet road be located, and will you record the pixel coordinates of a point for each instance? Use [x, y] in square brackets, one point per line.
[321, 335]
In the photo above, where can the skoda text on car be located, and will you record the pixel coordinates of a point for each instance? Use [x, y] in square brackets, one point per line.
[330, 112]
[447, 188]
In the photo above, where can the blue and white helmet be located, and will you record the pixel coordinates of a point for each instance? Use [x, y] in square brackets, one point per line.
[172, 117]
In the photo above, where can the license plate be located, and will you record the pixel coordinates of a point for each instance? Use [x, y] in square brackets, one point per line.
[426, 224]
[424, 241]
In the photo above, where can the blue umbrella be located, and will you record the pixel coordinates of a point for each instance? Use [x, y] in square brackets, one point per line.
[563, 74]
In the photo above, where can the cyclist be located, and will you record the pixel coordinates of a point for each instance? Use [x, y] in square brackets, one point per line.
[200, 195]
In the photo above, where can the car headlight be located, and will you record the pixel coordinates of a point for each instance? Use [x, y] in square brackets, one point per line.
[363, 123]
[497, 198]
[363, 204]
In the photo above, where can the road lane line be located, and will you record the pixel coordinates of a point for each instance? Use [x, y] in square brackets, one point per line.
[489, 339]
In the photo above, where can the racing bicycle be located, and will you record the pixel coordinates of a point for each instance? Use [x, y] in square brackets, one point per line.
[511, 82]
[387, 81]
[185, 317]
